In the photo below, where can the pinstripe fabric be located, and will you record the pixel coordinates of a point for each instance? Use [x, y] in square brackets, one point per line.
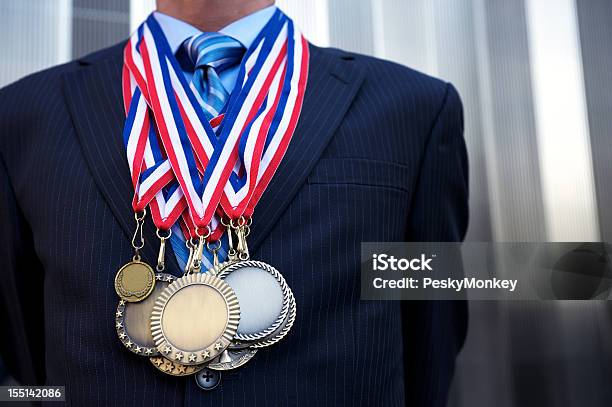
[364, 165]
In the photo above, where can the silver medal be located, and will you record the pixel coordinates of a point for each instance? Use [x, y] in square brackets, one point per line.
[275, 336]
[264, 296]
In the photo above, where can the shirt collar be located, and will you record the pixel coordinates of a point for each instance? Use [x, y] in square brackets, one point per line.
[244, 30]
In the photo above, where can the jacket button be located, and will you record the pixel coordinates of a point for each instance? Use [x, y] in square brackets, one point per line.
[208, 379]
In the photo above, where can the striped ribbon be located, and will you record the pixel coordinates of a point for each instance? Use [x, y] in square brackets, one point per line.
[176, 158]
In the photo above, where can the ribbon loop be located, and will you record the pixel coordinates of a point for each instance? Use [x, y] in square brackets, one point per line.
[180, 162]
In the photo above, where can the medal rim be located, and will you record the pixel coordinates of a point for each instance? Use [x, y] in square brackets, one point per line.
[134, 298]
[287, 294]
[127, 340]
[283, 330]
[167, 349]
[218, 269]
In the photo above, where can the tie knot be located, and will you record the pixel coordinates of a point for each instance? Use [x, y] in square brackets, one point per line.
[214, 50]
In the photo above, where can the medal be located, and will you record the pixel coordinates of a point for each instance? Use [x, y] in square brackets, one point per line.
[136, 279]
[264, 297]
[256, 281]
[132, 320]
[261, 289]
[207, 306]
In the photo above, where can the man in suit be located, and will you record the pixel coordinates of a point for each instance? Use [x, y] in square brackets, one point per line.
[378, 155]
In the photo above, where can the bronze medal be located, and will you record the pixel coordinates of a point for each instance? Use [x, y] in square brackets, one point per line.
[132, 320]
[134, 281]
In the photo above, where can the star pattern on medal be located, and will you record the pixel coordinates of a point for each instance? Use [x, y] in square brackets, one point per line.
[158, 277]
[178, 356]
[174, 368]
[205, 354]
[192, 357]
[218, 346]
[167, 349]
[125, 338]
[168, 278]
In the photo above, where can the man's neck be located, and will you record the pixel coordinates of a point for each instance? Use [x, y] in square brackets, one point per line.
[210, 15]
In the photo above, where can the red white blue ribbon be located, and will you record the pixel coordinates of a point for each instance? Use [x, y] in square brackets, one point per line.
[151, 173]
[231, 167]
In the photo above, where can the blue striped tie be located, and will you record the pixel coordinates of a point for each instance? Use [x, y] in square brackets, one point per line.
[211, 53]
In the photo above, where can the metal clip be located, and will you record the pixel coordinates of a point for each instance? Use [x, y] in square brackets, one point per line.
[138, 236]
[214, 250]
[161, 264]
[197, 257]
[243, 248]
[232, 254]
[191, 248]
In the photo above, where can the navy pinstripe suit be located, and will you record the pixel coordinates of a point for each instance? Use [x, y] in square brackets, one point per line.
[378, 155]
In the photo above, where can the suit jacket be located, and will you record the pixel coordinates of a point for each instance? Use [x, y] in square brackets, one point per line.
[378, 155]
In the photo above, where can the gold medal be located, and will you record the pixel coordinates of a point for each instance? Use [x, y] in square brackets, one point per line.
[134, 281]
[194, 319]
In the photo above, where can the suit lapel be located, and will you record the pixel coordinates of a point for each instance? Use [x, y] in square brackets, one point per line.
[93, 95]
[94, 98]
[333, 82]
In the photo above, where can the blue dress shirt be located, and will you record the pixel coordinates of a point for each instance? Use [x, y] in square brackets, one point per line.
[244, 30]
